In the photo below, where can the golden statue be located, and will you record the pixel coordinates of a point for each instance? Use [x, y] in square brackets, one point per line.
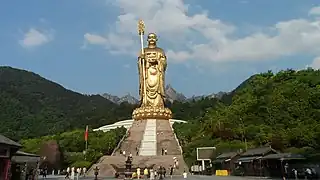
[152, 64]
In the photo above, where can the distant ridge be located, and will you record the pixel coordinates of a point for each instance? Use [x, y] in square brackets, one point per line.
[171, 96]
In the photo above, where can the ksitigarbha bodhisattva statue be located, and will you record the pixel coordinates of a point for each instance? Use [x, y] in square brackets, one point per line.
[152, 65]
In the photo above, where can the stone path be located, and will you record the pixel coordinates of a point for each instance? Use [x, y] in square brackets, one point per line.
[174, 177]
[149, 141]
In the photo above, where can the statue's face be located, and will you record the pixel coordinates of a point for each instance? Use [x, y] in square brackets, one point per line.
[152, 38]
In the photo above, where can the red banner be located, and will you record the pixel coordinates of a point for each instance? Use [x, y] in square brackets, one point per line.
[86, 134]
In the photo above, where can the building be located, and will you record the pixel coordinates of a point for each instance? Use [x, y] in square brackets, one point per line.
[250, 161]
[7, 149]
[24, 164]
[225, 161]
[278, 165]
[15, 164]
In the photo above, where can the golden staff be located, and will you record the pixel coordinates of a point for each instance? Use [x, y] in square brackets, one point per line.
[141, 27]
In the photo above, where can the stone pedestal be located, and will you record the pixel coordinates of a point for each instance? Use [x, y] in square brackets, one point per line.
[146, 112]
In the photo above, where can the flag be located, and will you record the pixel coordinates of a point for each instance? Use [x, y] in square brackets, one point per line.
[86, 133]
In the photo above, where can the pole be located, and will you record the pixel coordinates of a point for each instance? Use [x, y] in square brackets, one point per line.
[203, 166]
[86, 141]
[85, 154]
[143, 71]
[141, 27]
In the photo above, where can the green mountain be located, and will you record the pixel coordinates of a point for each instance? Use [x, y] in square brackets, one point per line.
[281, 110]
[32, 106]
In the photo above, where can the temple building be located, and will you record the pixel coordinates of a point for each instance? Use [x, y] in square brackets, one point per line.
[14, 164]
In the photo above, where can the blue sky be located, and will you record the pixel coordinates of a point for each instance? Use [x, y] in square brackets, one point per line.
[90, 46]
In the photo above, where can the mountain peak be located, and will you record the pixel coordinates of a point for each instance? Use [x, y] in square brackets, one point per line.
[168, 86]
[173, 95]
[118, 100]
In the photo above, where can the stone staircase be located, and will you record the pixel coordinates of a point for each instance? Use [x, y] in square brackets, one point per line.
[150, 136]
[166, 138]
[133, 139]
[149, 141]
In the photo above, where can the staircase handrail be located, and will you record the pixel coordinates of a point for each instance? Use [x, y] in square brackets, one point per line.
[175, 136]
[120, 142]
[114, 151]
[95, 164]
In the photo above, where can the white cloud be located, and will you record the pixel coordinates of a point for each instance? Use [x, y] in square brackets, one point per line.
[94, 39]
[199, 37]
[315, 11]
[127, 66]
[34, 37]
[316, 63]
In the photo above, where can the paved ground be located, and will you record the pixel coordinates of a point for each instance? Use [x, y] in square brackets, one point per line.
[174, 178]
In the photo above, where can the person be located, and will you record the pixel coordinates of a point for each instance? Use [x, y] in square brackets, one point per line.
[68, 173]
[155, 174]
[45, 171]
[308, 173]
[286, 167]
[134, 175]
[295, 172]
[84, 171]
[171, 171]
[78, 173]
[72, 173]
[145, 173]
[138, 173]
[176, 163]
[162, 151]
[165, 151]
[184, 174]
[152, 174]
[124, 153]
[160, 172]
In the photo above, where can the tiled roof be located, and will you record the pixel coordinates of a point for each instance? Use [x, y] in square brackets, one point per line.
[283, 156]
[227, 155]
[7, 141]
[21, 153]
[23, 157]
[258, 151]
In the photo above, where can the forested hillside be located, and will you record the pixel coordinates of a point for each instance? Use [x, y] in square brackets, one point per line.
[31, 106]
[281, 110]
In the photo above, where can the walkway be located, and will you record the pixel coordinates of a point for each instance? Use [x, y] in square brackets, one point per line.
[149, 142]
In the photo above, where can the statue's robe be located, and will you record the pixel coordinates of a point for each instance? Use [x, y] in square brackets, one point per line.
[154, 69]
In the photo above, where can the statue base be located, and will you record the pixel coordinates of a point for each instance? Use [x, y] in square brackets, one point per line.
[151, 113]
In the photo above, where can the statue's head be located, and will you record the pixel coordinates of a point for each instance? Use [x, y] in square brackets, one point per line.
[152, 39]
